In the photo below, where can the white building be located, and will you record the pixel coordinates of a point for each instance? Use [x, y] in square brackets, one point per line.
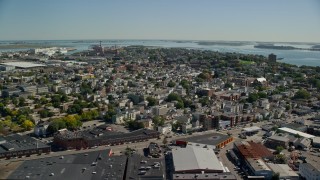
[195, 159]
[6, 68]
[165, 128]
[285, 172]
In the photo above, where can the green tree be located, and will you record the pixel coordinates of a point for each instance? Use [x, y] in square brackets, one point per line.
[56, 125]
[173, 97]
[134, 125]
[279, 149]
[228, 85]
[151, 101]
[158, 121]
[204, 101]
[171, 84]
[275, 176]
[179, 105]
[302, 94]
[22, 101]
[281, 159]
[253, 97]
[185, 84]
[262, 95]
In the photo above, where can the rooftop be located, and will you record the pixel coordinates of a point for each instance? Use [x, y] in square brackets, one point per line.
[140, 167]
[283, 169]
[209, 176]
[292, 131]
[279, 138]
[23, 64]
[16, 142]
[250, 149]
[252, 129]
[211, 139]
[92, 165]
[258, 164]
[195, 158]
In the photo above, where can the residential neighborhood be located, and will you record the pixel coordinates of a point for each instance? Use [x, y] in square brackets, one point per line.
[242, 116]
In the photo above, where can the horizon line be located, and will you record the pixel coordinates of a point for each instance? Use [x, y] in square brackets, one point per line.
[133, 39]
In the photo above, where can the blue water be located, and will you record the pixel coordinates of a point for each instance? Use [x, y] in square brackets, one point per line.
[296, 57]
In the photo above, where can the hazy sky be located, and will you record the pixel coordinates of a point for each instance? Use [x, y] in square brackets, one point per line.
[271, 20]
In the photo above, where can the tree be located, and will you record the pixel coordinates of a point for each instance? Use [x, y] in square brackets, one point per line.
[27, 124]
[173, 97]
[275, 176]
[262, 95]
[56, 125]
[171, 84]
[302, 94]
[253, 97]
[45, 113]
[71, 122]
[185, 84]
[179, 105]
[204, 101]
[151, 101]
[297, 135]
[281, 159]
[279, 149]
[228, 85]
[22, 102]
[158, 121]
[134, 125]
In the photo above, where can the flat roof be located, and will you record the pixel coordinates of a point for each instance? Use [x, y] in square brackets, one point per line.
[279, 138]
[77, 166]
[16, 142]
[23, 64]
[210, 139]
[195, 158]
[209, 176]
[283, 169]
[252, 129]
[258, 164]
[138, 163]
[292, 131]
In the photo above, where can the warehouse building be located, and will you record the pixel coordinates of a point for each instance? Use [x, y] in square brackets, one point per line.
[252, 156]
[99, 136]
[294, 132]
[215, 139]
[193, 159]
[285, 172]
[16, 145]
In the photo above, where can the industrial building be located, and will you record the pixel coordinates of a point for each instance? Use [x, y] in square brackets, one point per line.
[16, 145]
[99, 136]
[207, 176]
[285, 172]
[193, 159]
[252, 156]
[215, 139]
[6, 68]
[251, 130]
[23, 64]
[294, 132]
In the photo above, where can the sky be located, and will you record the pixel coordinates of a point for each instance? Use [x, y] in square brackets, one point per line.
[230, 20]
